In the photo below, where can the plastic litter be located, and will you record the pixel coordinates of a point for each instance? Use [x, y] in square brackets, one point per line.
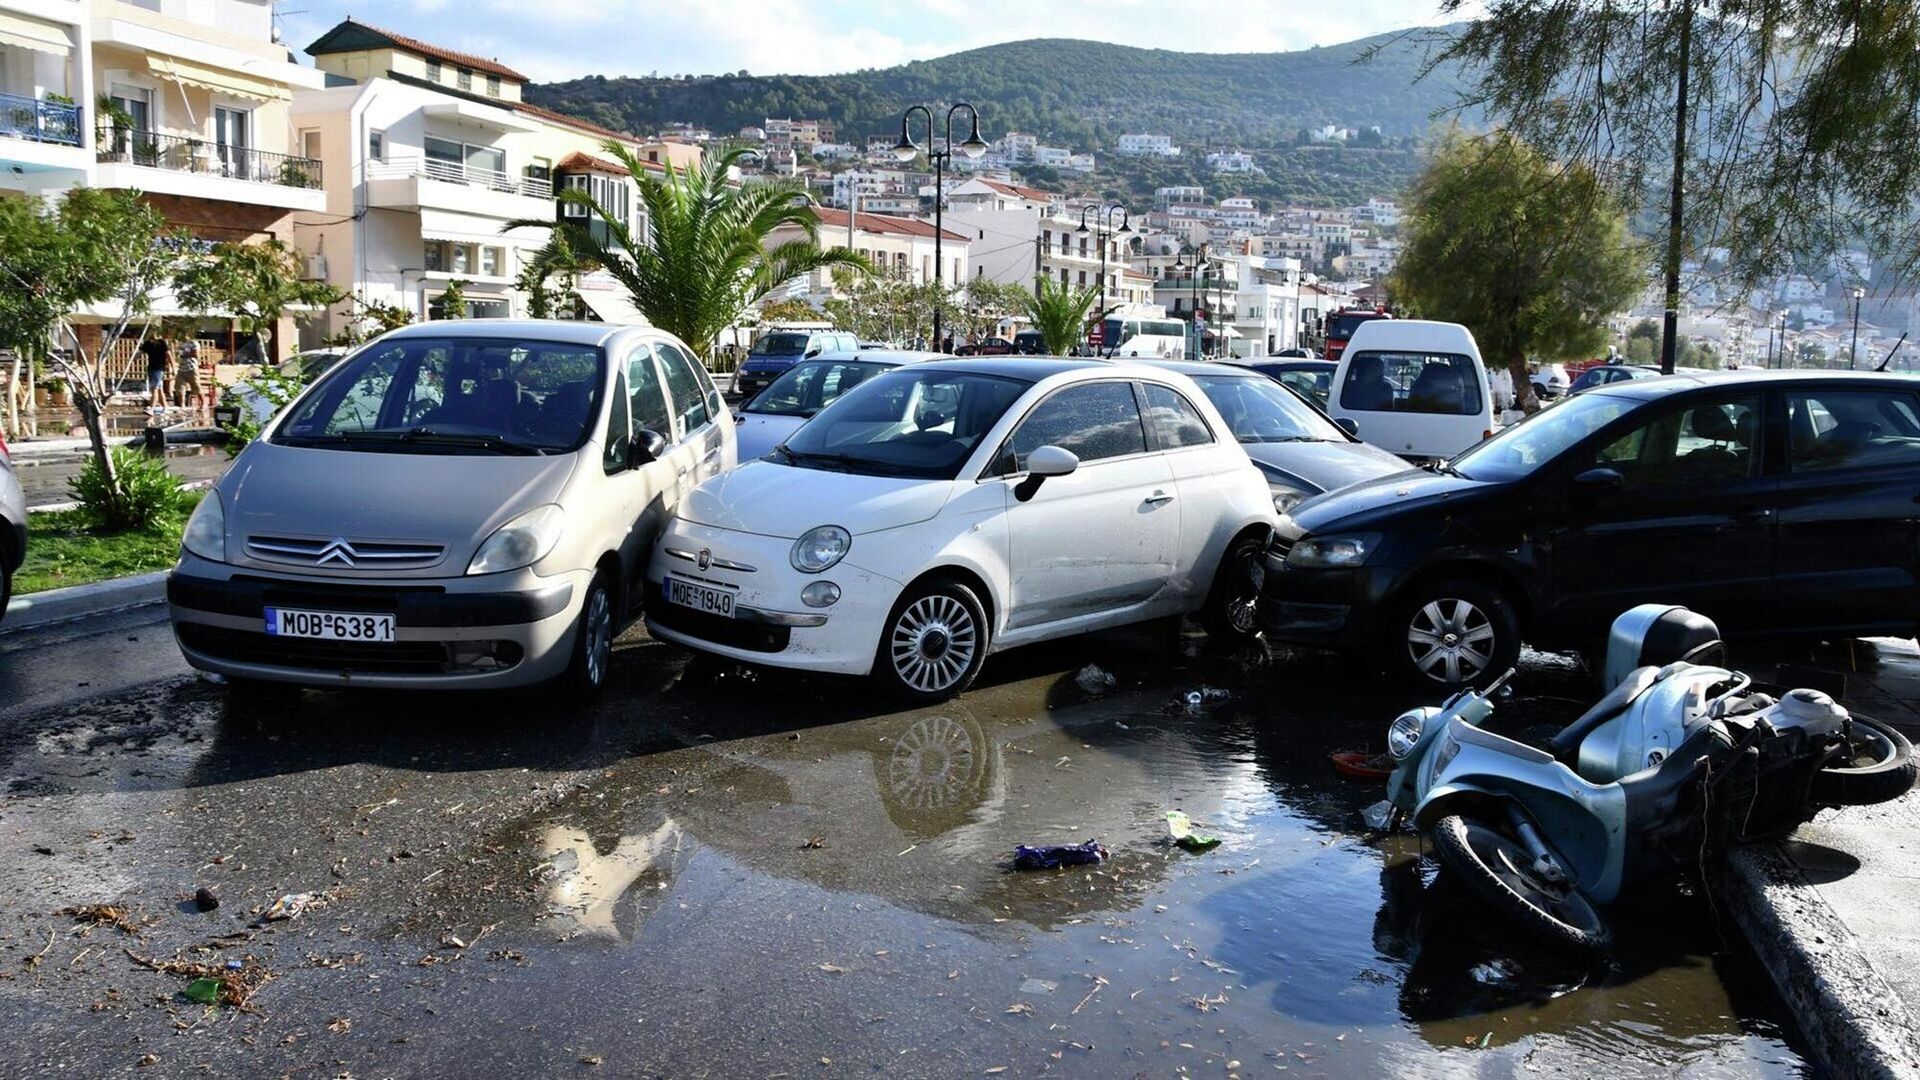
[1095, 679]
[1054, 856]
[289, 906]
[1180, 828]
[205, 899]
[1356, 766]
[1208, 695]
[204, 991]
[235, 965]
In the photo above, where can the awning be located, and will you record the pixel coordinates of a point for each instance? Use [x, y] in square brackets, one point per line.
[33, 34]
[223, 82]
[613, 307]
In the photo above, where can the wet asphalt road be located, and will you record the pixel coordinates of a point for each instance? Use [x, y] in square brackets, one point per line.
[45, 480]
[717, 873]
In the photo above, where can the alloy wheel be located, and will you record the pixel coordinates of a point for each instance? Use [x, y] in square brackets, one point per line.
[1450, 640]
[933, 643]
[599, 636]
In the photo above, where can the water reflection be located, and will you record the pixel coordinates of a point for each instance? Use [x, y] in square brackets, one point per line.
[586, 887]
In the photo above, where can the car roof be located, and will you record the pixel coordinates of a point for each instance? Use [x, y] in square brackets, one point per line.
[1198, 368]
[1028, 368]
[876, 356]
[1682, 381]
[567, 331]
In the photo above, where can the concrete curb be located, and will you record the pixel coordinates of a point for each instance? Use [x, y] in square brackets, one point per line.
[48, 508]
[80, 601]
[1854, 1023]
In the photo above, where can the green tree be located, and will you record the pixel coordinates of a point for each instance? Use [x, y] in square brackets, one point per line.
[453, 302]
[1533, 257]
[977, 307]
[707, 258]
[887, 305]
[254, 283]
[1059, 312]
[789, 310]
[550, 278]
[368, 319]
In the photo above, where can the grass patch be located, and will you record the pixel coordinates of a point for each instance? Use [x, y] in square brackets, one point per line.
[63, 550]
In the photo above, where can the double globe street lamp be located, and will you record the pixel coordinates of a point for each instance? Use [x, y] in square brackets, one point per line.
[906, 150]
[1104, 232]
[1201, 265]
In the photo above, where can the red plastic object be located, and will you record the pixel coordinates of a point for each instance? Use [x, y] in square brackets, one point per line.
[1358, 766]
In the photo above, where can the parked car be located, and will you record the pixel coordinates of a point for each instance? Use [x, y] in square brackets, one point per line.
[1030, 343]
[459, 504]
[1773, 502]
[1416, 388]
[947, 510]
[804, 389]
[1314, 378]
[778, 350]
[866, 345]
[1297, 352]
[1300, 449]
[993, 346]
[302, 368]
[13, 526]
[1607, 374]
[1550, 381]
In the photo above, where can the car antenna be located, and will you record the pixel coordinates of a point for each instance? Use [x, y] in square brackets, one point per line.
[1891, 352]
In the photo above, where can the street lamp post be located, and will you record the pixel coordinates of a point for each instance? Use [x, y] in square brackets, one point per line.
[1193, 292]
[906, 150]
[1103, 232]
[1853, 350]
[1782, 313]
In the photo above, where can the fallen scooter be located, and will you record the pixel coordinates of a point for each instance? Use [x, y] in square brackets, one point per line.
[1677, 759]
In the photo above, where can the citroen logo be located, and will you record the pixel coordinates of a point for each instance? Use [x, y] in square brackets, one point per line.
[705, 559]
[337, 550]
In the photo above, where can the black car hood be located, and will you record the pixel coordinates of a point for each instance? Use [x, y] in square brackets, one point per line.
[1323, 466]
[1357, 505]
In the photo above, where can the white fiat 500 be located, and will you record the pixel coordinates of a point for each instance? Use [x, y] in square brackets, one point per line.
[943, 511]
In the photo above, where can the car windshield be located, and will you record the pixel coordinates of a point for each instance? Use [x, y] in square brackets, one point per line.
[1259, 410]
[1524, 447]
[454, 395]
[782, 344]
[918, 422]
[805, 389]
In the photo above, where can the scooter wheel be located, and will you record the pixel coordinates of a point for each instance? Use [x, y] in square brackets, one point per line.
[1497, 869]
[1877, 766]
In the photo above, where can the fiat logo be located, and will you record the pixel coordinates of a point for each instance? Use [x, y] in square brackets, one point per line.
[705, 559]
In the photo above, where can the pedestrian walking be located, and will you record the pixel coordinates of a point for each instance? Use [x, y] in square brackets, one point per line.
[159, 368]
[186, 381]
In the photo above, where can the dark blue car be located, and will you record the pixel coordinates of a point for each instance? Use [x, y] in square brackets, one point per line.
[778, 350]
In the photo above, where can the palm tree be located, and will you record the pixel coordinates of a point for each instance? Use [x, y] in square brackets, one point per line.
[706, 258]
[1059, 312]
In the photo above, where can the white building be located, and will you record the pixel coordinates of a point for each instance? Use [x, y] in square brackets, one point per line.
[1016, 240]
[1017, 146]
[1142, 145]
[1232, 161]
[979, 194]
[900, 244]
[1052, 157]
[1083, 163]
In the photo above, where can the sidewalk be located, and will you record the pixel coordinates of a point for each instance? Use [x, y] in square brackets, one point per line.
[1834, 912]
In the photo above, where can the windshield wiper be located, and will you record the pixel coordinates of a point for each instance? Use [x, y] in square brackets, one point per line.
[786, 453]
[847, 463]
[499, 444]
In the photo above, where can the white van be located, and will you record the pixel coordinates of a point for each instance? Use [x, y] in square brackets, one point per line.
[1413, 387]
[1156, 337]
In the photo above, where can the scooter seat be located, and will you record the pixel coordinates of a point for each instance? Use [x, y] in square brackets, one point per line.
[1566, 745]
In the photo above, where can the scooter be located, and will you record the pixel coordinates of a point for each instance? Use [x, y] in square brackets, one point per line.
[1631, 787]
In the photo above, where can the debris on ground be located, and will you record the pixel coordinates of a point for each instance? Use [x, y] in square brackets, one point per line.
[293, 905]
[1206, 695]
[233, 986]
[1095, 680]
[205, 899]
[92, 915]
[1038, 986]
[1180, 831]
[205, 991]
[814, 843]
[1054, 856]
[1356, 766]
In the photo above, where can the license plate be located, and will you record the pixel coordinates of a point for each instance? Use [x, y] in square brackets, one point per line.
[329, 625]
[700, 597]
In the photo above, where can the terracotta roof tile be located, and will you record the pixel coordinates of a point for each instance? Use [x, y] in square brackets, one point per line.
[1016, 189]
[415, 45]
[831, 218]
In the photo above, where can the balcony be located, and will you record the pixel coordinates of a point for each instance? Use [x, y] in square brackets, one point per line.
[38, 120]
[194, 167]
[415, 183]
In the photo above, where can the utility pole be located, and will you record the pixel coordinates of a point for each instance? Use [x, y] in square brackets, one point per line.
[1669, 338]
[1853, 351]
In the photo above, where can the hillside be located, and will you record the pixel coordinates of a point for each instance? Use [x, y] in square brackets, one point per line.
[1079, 94]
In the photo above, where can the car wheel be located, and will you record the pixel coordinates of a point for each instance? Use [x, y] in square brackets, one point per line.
[1229, 614]
[6, 586]
[1454, 633]
[592, 642]
[933, 644]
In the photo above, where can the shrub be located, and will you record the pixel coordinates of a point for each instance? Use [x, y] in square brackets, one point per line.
[277, 388]
[144, 495]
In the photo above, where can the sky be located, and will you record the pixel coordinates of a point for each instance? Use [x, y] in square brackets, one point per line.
[560, 39]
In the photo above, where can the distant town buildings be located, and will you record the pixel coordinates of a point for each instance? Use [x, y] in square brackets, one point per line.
[1142, 145]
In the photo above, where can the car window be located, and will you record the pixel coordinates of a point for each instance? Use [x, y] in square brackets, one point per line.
[805, 389]
[1695, 445]
[1176, 422]
[619, 435]
[1446, 384]
[1517, 450]
[1093, 420]
[646, 397]
[1261, 411]
[685, 387]
[1851, 429]
[782, 343]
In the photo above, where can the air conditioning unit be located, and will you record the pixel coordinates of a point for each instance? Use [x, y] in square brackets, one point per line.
[316, 268]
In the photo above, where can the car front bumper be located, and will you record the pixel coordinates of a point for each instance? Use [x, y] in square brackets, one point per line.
[492, 630]
[1335, 609]
[771, 626]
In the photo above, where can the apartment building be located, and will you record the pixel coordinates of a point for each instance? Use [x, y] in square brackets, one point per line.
[1143, 145]
[901, 244]
[437, 152]
[1233, 161]
[197, 100]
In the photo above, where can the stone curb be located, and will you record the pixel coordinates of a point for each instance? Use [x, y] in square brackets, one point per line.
[1854, 1023]
[80, 601]
[48, 508]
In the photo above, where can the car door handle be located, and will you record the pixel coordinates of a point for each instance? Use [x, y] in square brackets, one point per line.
[1159, 497]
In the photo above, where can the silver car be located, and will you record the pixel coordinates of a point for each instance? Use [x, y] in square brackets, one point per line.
[766, 420]
[13, 527]
[457, 504]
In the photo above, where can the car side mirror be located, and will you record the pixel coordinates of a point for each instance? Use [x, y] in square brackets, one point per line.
[647, 446]
[1348, 424]
[1601, 479]
[1045, 461]
[811, 353]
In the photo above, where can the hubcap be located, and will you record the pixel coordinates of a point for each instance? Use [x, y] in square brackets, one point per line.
[932, 763]
[933, 643]
[1450, 641]
[1248, 578]
[599, 636]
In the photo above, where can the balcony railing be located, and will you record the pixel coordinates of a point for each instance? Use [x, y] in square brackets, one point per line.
[38, 120]
[183, 153]
[455, 172]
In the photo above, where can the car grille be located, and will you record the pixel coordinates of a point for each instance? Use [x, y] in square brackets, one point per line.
[371, 658]
[345, 554]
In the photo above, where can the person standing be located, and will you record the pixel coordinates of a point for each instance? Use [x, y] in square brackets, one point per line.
[186, 381]
[159, 368]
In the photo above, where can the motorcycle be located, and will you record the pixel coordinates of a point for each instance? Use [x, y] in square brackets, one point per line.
[1680, 757]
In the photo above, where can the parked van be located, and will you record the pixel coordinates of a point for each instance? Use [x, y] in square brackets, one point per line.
[458, 504]
[782, 347]
[1415, 388]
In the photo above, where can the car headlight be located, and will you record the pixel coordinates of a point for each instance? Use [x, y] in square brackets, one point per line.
[1332, 552]
[1404, 735]
[1285, 497]
[206, 531]
[820, 548]
[521, 542]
